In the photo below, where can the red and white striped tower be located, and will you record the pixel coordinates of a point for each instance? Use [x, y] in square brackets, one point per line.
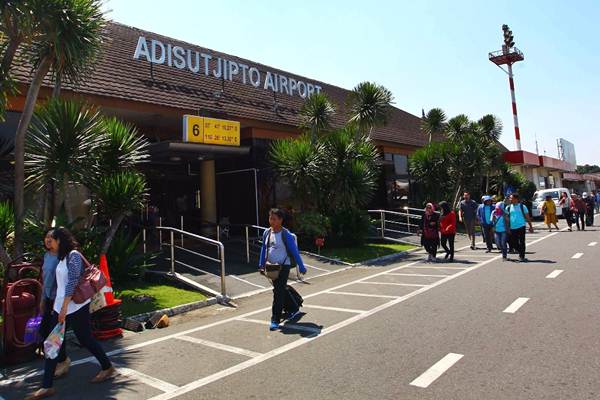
[508, 56]
[511, 83]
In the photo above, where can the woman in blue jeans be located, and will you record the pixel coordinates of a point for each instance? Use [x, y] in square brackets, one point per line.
[76, 316]
[499, 222]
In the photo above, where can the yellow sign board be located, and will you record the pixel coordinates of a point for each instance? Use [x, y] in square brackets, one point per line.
[211, 131]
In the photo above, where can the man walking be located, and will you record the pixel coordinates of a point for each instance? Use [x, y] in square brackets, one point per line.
[579, 212]
[590, 202]
[279, 252]
[467, 214]
[518, 215]
[484, 216]
[597, 199]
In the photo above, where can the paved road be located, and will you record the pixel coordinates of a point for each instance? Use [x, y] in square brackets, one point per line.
[478, 328]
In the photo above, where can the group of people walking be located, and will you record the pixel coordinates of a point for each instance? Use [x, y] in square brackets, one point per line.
[502, 224]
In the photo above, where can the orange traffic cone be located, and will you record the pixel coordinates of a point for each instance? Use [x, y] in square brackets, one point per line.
[110, 298]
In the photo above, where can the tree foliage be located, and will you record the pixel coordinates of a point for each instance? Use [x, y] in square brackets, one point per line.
[369, 106]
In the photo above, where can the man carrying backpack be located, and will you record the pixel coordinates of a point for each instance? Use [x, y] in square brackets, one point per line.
[484, 215]
[278, 254]
[518, 215]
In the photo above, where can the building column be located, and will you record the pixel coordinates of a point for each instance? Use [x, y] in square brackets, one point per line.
[208, 195]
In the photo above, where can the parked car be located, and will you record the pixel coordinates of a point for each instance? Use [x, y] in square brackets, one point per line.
[540, 196]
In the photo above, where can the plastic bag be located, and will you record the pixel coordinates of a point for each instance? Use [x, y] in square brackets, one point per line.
[98, 302]
[32, 330]
[54, 341]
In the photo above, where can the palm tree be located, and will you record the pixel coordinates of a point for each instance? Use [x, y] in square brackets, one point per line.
[70, 38]
[19, 21]
[458, 127]
[299, 161]
[351, 169]
[119, 195]
[62, 144]
[491, 127]
[434, 123]
[369, 106]
[125, 147]
[317, 112]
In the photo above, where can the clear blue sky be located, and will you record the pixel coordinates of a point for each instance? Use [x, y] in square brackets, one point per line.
[428, 53]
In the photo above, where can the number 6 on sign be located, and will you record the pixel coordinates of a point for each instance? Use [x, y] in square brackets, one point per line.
[193, 129]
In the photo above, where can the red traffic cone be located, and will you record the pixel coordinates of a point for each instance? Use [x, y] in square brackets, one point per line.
[110, 298]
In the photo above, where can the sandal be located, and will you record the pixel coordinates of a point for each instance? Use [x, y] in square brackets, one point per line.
[41, 394]
[104, 375]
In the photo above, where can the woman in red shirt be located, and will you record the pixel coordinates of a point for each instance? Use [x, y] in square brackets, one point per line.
[448, 230]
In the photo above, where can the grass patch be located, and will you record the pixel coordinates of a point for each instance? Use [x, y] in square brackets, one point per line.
[163, 296]
[365, 252]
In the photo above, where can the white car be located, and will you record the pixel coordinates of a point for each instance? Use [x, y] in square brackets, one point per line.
[540, 196]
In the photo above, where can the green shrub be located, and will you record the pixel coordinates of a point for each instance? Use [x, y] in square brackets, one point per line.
[349, 227]
[125, 261]
[310, 225]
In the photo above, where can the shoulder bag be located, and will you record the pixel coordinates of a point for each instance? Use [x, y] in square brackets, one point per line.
[91, 282]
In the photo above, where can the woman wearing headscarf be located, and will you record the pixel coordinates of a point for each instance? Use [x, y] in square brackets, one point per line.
[499, 219]
[430, 232]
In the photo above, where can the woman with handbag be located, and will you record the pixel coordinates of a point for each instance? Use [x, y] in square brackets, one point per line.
[49, 287]
[430, 232]
[69, 272]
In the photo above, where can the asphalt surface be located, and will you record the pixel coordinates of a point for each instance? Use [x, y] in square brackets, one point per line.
[380, 333]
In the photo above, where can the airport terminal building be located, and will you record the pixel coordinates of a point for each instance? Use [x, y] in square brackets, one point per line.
[212, 164]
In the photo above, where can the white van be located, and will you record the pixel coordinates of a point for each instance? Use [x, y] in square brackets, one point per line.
[540, 196]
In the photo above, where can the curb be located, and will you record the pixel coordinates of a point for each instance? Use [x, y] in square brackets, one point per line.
[172, 311]
[386, 259]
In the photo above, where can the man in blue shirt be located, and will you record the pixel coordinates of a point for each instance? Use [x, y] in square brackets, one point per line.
[484, 215]
[279, 247]
[518, 216]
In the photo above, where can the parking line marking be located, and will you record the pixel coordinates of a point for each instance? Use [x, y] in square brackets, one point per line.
[148, 380]
[381, 296]
[394, 284]
[317, 268]
[436, 370]
[518, 303]
[423, 267]
[348, 310]
[577, 255]
[219, 346]
[247, 282]
[592, 244]
[554, 273]
[288, 325]
[427, 275]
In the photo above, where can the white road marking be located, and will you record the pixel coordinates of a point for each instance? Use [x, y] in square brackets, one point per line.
[381, 296]
[286, 325]
[432, 267]
[393, 284]
[317, 268]
[592, 244]
[219, 346]
[246, 281]
[247, 364]
[348, 310]
[554, 273]
[436, 370]
[577, 255]
[148, 380]
[427, 275]
[518, 303]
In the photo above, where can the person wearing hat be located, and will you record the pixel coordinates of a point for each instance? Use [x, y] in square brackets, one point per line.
[484, 215]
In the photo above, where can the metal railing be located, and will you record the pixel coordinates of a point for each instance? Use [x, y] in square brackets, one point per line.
[222, 296]
[258, 239]
[405, 222]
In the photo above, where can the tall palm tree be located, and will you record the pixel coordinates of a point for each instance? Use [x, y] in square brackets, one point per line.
[70, 39]
[62, 144]
[434, 122]
[317, 112]
[125, 147]
[19, 22]
[491, 127]
[369, 106]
